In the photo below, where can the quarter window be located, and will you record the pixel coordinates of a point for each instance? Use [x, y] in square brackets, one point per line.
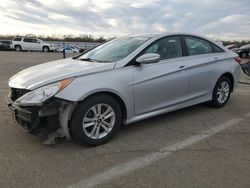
[168, 47]
[196, 46]
[217, 49]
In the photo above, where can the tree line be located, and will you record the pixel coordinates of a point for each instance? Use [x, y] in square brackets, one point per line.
[68, 38]
[99, 39]
[238, 43]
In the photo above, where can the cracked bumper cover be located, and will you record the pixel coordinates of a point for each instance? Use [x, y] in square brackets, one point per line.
[36, 118]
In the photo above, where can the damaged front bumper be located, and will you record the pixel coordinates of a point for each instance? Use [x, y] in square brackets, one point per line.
[50, 116]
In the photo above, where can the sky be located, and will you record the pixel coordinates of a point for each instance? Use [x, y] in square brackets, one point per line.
[218, 19]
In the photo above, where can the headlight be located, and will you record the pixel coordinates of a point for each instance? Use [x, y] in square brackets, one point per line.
[41, 94]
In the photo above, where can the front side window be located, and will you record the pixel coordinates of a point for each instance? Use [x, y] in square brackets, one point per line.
[196, 46]
[168, 47]
[114, 50]
[34, 41]
[27, 40]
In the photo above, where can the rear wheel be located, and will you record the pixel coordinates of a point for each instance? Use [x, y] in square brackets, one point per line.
[221, 92]
[96, 120]
[18, 48]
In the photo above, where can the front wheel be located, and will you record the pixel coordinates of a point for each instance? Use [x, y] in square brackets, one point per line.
[96, 120]
[221, 92]
[45, 49]
[18, 48]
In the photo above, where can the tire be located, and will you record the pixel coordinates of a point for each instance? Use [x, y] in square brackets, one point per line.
[18, 48]
[45, 49]
[221, 93]
[84, 115]
[244, 55]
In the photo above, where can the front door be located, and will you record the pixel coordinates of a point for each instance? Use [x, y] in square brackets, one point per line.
[163, 84]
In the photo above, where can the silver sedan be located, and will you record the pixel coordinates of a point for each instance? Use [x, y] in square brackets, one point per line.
[122, 81]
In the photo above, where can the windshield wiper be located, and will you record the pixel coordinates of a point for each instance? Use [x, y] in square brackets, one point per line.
[94, 60]
[88, 59]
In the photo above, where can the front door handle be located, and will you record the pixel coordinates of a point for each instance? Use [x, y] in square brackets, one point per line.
[182, 67]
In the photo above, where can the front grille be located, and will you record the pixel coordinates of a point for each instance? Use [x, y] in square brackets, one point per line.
[17, 93]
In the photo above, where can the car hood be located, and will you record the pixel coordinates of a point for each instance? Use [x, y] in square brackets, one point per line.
[46, 73]
[46, 43]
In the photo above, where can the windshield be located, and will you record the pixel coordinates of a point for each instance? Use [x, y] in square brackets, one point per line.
[245, 46]
[39, 40]
[114, 50]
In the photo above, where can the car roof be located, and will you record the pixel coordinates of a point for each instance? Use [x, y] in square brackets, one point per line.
[245, 46]
[156, 35]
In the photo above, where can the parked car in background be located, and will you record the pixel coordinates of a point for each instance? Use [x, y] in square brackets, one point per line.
[81, 50]
[123, 81]
[5, 45]
[31, 44]
[243, 51]
[232, 47]
[69, 49]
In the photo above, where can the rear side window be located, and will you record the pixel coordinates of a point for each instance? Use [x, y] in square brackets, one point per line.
[17, 39]
[168, 47]
[196, 46]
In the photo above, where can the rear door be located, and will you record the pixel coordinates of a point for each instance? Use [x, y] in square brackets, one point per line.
[204, 61]
[163, 84]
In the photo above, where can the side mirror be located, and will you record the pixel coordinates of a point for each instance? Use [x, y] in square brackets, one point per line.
[148, 58]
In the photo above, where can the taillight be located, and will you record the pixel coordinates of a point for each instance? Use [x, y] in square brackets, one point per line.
[237, 59]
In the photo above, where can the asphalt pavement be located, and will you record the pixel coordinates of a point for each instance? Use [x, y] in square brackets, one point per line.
[195, 147]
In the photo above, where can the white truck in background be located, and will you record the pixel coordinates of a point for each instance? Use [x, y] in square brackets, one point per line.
[31, 44]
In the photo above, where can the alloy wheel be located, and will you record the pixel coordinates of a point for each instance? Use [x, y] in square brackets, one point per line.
[18, 48]
[99, 121]
[223, 92]
[46, 49]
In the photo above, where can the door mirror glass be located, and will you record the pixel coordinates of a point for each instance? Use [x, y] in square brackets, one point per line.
[148, 58]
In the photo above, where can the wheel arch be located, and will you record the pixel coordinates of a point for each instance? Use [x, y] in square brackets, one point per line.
[112, 94]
